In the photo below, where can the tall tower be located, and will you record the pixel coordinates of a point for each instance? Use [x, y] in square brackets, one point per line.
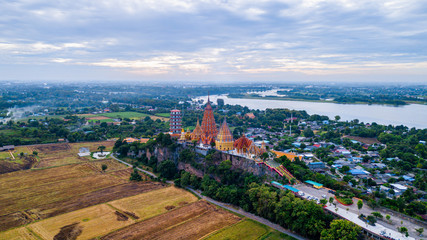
[224, 140]
[209, 130]
[175, 124]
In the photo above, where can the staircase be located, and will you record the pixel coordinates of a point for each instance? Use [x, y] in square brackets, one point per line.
[282, 171]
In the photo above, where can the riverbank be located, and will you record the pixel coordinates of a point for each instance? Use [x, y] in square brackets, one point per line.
[250, 96]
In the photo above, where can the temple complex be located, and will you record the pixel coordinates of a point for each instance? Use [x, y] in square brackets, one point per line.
[224, 140]
[209, 130]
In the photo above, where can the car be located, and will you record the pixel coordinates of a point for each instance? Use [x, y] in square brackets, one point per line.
[331, 191]
[323, 196]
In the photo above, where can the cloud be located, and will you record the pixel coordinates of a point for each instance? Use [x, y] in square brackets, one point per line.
[211, 37]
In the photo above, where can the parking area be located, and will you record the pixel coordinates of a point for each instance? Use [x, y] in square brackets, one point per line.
[312, 193]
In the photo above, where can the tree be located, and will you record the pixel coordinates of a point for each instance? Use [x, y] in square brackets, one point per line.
[420, 231]
[377, 214]
[323, 201]
[337, 118]
[167, 169]
[134, 176]
[359, 205]
[308, 133]
[341, 229]
[331, 200]
[101, 148]
[388, 218]
[104, 167]
[35, 153]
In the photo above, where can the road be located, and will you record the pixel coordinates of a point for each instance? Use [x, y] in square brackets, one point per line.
[226, 206]
[137, 168]
[248, 215]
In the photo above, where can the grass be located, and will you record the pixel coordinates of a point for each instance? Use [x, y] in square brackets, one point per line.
[18, 234]
[246, 229]
[25, 189]
[166, 115]
[130, 115]
[275, 235]
[95, 221]
[100, 120]
[153, 203]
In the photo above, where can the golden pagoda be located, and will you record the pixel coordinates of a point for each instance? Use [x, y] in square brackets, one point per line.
[209, 130]
[224, 140]
[182, 138]
[197, 132]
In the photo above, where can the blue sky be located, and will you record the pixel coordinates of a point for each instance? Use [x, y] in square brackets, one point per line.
[214, 41]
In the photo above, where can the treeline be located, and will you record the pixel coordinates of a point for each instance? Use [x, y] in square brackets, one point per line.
[304, 217]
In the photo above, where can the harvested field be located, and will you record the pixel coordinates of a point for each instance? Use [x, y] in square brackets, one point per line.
[93, 221]
[164, 224]
[65, 153]
[112, 165]
[22, 191]
[246, 229]
[96, 197]
[77, 202]
[18, 234]
[97, 118]
[153, 203]
[363, 139]
[125, 174]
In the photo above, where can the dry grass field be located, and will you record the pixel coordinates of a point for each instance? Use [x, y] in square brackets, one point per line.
[112, 165]
[155, 202]
[18, 234]
[191, 221]
[59, 154]
[93, 221]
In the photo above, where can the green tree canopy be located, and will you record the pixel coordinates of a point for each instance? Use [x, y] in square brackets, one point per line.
[341, 229]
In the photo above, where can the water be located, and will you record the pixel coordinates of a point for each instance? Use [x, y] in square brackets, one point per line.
[412, 115]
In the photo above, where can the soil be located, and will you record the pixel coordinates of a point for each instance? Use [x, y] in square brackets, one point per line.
[131, 214]
[78, 202]
[98, 118]
[200, 219]
[27, 163]
[169, 207]
[52, 147]
[121, 216]
[363, 139]
[69, 232]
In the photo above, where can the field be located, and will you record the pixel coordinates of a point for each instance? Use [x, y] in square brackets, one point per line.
[192, 221]
[247, 229]
[92, 221]
[363, 139]
[166, 115]
[130, 115]
[59, 154]
[155, 202]
[70, 197]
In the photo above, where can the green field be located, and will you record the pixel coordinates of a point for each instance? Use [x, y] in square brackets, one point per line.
[100, 120]
[248, 229]
[167, 115]
[130, 115]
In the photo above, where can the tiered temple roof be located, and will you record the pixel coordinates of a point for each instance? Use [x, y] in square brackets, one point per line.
[209, 130]
[242, 145]
[224, 140]
[197, 132]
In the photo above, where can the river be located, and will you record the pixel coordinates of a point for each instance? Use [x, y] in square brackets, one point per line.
[412, 115]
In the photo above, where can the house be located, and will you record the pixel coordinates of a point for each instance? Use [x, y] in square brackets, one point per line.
[358, 172]
[7, 148]
[316, 166]
[250, 115]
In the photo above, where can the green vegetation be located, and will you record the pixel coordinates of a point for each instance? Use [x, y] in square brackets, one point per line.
[166, 115]
[122, 115]
[246, 229]
[341, 230]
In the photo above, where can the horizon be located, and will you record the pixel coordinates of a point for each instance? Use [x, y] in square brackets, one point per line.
[214, 41]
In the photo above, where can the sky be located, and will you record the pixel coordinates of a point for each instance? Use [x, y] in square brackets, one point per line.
[214, 41]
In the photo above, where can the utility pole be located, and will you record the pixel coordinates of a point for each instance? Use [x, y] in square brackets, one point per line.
[290, 127]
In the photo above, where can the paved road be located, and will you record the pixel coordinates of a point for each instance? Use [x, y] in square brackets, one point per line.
[139, 169]
[248, 215]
